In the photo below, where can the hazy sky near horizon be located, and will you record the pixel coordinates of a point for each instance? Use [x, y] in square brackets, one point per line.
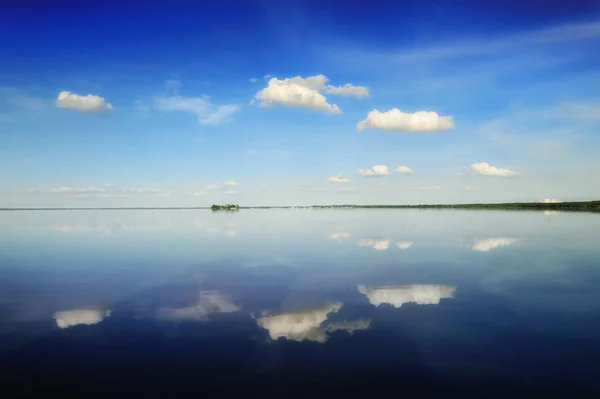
[185, 103]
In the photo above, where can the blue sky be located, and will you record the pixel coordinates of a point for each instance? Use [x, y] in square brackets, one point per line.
[184, 103]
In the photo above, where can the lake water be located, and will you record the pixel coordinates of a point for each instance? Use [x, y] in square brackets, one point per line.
[303, 302]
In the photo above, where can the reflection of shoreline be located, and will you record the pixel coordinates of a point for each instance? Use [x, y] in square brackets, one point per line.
[484, 245]
[309, 324]
[422, 294]
[70, 318]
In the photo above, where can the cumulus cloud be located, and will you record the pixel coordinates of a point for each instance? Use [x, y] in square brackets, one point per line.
[307, 93]
[106, 191]
[230, 183]
[394, 119]
[379, 244]
[209, 302]
[485, 169]
[404, 244]
[299, 325]
[375, 171]
[422, 294]
[88, 103]
[297, 92]
[348, 90]
[484, 245]
[207, 113]
[403, 170]
[338, 179]
[70, 318]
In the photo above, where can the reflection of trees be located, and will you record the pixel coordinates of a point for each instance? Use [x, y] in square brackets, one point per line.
[309, 324]
[485, 245]
[209, 302]
[70, 318]
[422, 294]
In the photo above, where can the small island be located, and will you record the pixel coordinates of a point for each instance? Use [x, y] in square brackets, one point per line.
[226, 207]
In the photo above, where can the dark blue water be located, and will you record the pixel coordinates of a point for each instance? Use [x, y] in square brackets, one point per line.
[300, 303]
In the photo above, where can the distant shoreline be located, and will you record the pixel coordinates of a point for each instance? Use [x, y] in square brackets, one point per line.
[586, 206]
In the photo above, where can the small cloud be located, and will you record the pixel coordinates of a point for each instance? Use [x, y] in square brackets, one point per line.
[375, 171]
[379, 244]
[230, 192]
[230, 183]
[485, 169]
[348, 90]
[297, 92]
[339, 236]
[253, 80]
[485, 245]
[469, 188]
[403, 170]
[299, 325]
[199, 193]
[421, 294]
[212, 186]
[394, 119]
[70, 318]
[88, 103]
[338, 179]
[404, 244]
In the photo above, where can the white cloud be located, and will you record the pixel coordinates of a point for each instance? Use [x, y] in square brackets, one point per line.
[88, 103]
[348, 90]
[394, 119]
[422, 294]
[230, 183]
[404, 244]
[207, 113]
[485, 245]
[299, 325]
[297, 92]
[70, 318]
[173, 86]
[253, 80]
[485, 169]
[403, 170]
[588, 112]
[106, 191]
[339, 236]
[375, 171]
[379, 244]
[338, 179]
[230, 192]
[209, 302]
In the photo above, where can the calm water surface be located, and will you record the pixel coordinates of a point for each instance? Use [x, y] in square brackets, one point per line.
[284, 303]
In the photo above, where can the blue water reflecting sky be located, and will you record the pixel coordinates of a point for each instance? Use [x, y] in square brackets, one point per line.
[472, 297]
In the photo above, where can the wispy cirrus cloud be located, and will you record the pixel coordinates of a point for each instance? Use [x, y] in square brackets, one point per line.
[206, 112]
